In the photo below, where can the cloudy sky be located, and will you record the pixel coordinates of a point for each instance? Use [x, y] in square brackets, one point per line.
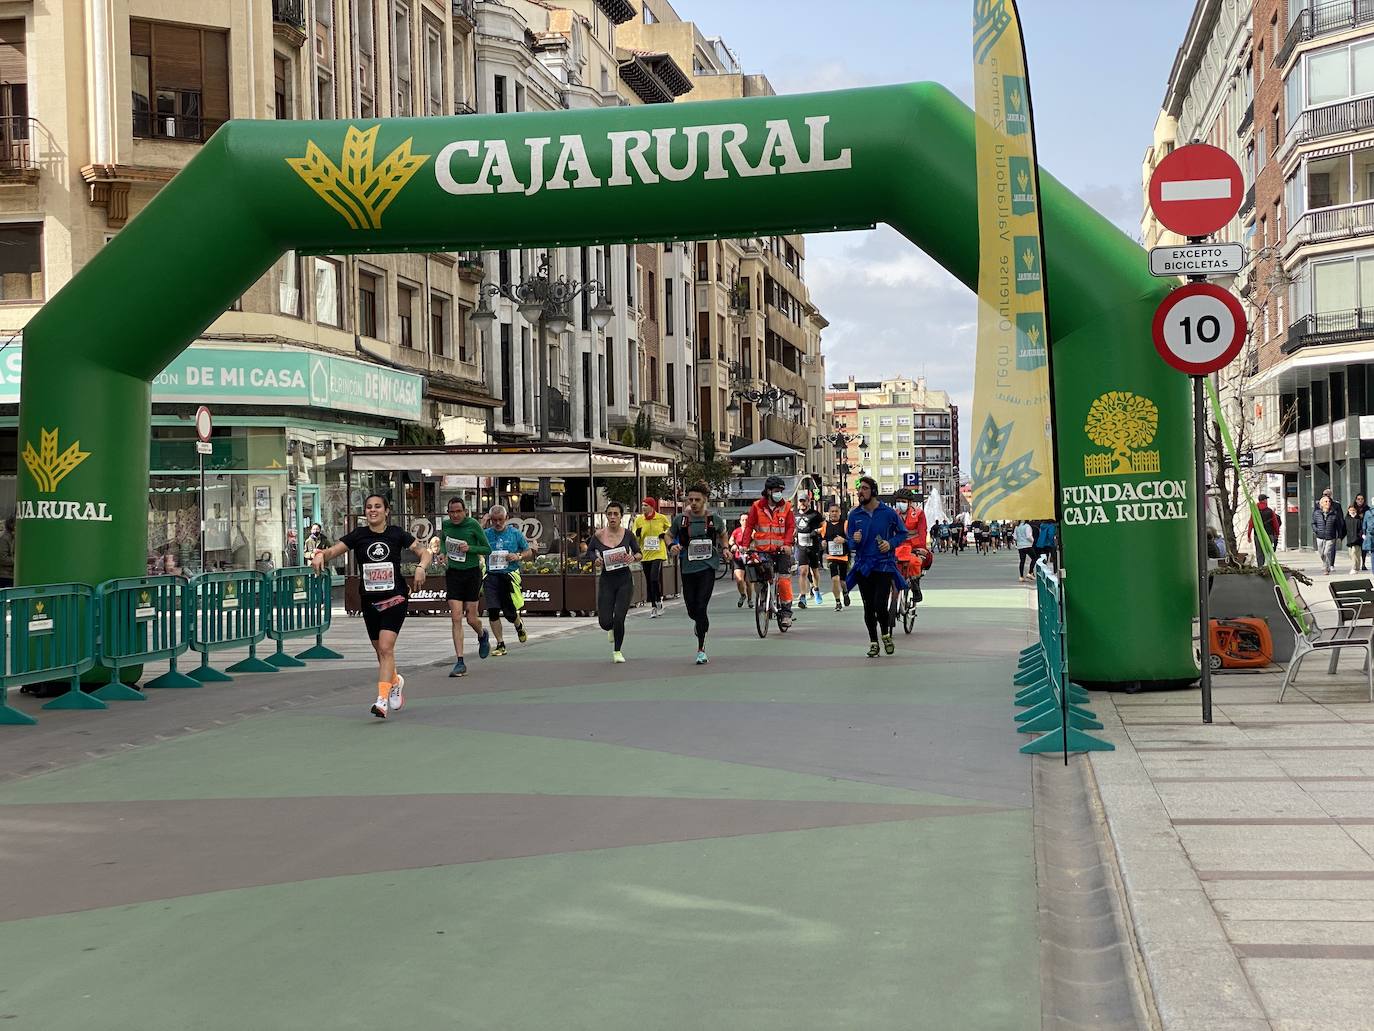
[1098, 73]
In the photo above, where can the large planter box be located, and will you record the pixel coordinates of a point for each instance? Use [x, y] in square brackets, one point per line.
[579, 594]
[543, 593]
[1240, 594]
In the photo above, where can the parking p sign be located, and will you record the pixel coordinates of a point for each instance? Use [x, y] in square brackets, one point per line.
[911, 479]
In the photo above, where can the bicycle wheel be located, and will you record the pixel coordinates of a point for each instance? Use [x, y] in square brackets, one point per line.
[908, 606]
[763, 597]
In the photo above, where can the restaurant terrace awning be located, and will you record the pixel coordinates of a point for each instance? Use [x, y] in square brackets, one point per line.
[526, 463]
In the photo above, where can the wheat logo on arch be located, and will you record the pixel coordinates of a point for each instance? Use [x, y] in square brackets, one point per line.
[47, 466]
[359, 191]
[1126, 423]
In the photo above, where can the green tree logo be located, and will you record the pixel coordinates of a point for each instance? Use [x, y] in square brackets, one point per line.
[1126, 423]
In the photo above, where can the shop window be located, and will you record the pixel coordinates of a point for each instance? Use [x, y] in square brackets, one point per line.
[368, 283]
[328, 306]
[180, 76]
[21, 261]
[405, 314]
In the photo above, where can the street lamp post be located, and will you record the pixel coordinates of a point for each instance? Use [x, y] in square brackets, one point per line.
[841, 442]
[545, 303]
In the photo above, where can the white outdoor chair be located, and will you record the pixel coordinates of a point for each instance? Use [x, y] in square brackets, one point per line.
[1351, 631]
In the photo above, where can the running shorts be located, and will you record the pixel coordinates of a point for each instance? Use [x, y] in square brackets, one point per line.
[811, 556]
[388, 619]
[500, 596]
[464, 584]
[839, 569]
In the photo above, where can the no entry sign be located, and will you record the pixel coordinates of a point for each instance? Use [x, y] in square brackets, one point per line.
[1199, 328]
[1196, 190]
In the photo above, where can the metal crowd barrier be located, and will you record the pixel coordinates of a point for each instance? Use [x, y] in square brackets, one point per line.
[1051, 700]
[229, 610]
[142, 619]
[47, 633]
[302, 606]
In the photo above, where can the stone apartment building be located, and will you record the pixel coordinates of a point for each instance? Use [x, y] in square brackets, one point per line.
[896, 430]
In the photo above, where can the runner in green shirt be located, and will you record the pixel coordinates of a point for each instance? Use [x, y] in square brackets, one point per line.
[463, 542]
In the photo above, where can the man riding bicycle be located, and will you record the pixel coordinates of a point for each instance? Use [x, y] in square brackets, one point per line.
[770, 528]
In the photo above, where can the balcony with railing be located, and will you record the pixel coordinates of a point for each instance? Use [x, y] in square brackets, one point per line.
[18, 151]
[462, 9]
[1319, 123]
[179, 118]
[560, 412]
[289, 12]
[1322, 19]
[1247, 119]
[1330, 327]
[1343, 222]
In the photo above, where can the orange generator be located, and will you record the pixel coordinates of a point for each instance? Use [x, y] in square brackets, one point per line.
[1240, 642]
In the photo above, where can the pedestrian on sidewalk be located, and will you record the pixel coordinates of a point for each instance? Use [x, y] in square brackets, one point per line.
[613, 548]
[651, 528]
[1045, 542]
[1367, 535]
[463, 542]
[875, 530]
[1271, 523]
[699, 543]
[501, 585]
[1363, 507]
[1328, 525]
[1354, 536]
[377, 549]
[1024, 536]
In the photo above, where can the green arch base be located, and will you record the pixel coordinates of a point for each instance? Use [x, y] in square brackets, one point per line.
[903, 155]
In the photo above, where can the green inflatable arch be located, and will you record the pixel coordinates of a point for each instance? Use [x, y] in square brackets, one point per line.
[903, 155]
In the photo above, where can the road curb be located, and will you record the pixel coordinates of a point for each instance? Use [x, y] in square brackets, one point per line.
[1194, 977]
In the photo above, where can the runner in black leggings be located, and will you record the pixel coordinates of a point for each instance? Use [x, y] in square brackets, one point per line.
[613, 548]
[698, 541]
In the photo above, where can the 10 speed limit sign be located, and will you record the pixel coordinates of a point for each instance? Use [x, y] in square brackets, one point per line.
[1199, 328]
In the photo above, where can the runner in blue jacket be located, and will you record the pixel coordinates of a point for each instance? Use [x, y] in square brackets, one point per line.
[875, 530]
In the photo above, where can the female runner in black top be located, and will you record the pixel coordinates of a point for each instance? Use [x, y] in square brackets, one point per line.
[613, 548]
[377, 549]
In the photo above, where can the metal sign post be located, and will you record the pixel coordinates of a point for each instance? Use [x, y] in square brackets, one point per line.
[204, 427]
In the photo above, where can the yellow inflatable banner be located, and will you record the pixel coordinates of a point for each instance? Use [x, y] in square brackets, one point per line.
[1012, 460]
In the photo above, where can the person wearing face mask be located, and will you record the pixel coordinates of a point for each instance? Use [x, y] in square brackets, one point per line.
[770, 527]
[808, 550]
[835, 542]
[909, 562]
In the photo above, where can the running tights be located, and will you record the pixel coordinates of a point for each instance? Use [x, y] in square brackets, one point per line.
[653, 582]
[696, 593]
[613, 595]
[876, 590]
[1027, 558]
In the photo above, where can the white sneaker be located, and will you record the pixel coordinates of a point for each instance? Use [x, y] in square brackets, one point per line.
[397, 700]
[379, 708]
[617, 657]
[653, 611]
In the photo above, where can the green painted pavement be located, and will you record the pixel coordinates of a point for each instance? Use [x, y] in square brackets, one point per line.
[290, 755]
[912, 924]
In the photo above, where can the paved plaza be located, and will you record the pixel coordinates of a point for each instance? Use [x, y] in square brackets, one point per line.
[791, 837]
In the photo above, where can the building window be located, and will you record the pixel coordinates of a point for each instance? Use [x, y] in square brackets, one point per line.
[610, 371]
[653, 300]
[507, 377]
[653, 377]
[434, 70]
[368, 283]
[21, 261]
[289, 286]
[14, 90]
[328, 310]
[400, 61]
[519, 97]
[439, 308]
[467, 336]
[282, 93]
[906, 453]
[668, 307]
[499, 86]
[649, 18]
[1339, 73]
[367, 59]
[672, 392]
[180, 77]
[405, 314]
